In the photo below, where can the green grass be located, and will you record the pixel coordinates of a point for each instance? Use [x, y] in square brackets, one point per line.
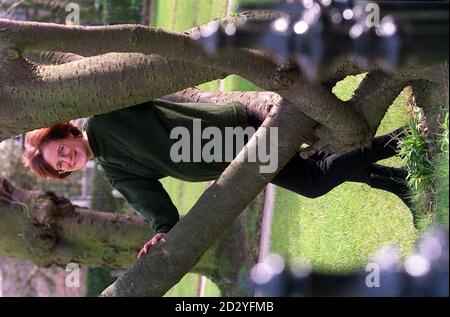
[337, 232]
[345, 88]
[442, 176]
[441, 195]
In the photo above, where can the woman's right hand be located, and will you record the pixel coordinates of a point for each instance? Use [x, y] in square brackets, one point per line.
[158, 238]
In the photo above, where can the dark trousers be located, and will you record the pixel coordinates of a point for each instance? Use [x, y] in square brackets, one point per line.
[317, 175]
[322, 172]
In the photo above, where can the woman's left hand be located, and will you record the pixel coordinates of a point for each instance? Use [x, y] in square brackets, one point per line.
[158, 238]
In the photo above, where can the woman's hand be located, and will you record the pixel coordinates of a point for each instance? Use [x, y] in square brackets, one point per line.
[160, 237]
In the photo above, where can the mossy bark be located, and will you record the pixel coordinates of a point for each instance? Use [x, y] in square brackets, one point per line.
[44, 228]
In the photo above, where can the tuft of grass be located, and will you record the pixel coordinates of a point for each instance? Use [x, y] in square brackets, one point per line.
[414, 150]
[428, 177]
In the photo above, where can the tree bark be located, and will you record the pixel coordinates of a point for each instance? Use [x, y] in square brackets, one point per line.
[131, 38]
[46, 229]
[264, 100]
[433, 97]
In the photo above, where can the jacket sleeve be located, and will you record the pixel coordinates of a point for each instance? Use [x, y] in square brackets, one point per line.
[150, 199]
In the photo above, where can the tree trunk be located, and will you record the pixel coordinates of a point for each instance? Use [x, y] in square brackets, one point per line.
[47, 229]
[109, 73]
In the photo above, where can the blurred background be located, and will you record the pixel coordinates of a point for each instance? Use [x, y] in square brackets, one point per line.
[335, 234]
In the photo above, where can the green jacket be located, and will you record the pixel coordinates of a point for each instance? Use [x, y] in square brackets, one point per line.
[132, 149]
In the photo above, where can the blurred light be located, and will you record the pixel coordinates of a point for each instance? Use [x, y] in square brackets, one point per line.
[431, 248]
[358, 11]
[261, 273]
[230, 29]
[196, 34]
[417, 265]
[209, 29]
[316, 8]
[356, 31]
[387, 27]
[387, 258]
[281, 25]
[301, 268]
[241, 19]
[311, 16]
[326, 2]
[347, 14]
[301, 27]
[336, 16]
[275, 262]
[116, 194]
[308, 4]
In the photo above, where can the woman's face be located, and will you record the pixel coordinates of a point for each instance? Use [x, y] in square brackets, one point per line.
[65, 155]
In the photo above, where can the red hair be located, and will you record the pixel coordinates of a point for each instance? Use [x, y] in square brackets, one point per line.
[32, 156]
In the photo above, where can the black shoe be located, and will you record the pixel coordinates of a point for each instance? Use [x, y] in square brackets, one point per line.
[398, 174]
[386, 146]
[393, 180]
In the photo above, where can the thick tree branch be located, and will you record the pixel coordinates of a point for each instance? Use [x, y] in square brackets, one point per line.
[42, 95]
[264, 100]
[47, 229]
[433, 98]
[255, 66]
[52, 58]
[347, 125]
[373, 97]
[97, 40]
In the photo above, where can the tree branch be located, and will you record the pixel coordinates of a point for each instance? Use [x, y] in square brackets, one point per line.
[47, 229]
[97, 40]
[433, 98]
[375, 95]
[166, 265]
[42, 95]
[347, 125]
[264, 100]
[52, 58]
[255, 66]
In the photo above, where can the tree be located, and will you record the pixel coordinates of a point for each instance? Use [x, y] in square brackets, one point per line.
[52, 73]
[44, 228]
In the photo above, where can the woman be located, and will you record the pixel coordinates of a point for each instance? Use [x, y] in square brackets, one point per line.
[132, 147]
